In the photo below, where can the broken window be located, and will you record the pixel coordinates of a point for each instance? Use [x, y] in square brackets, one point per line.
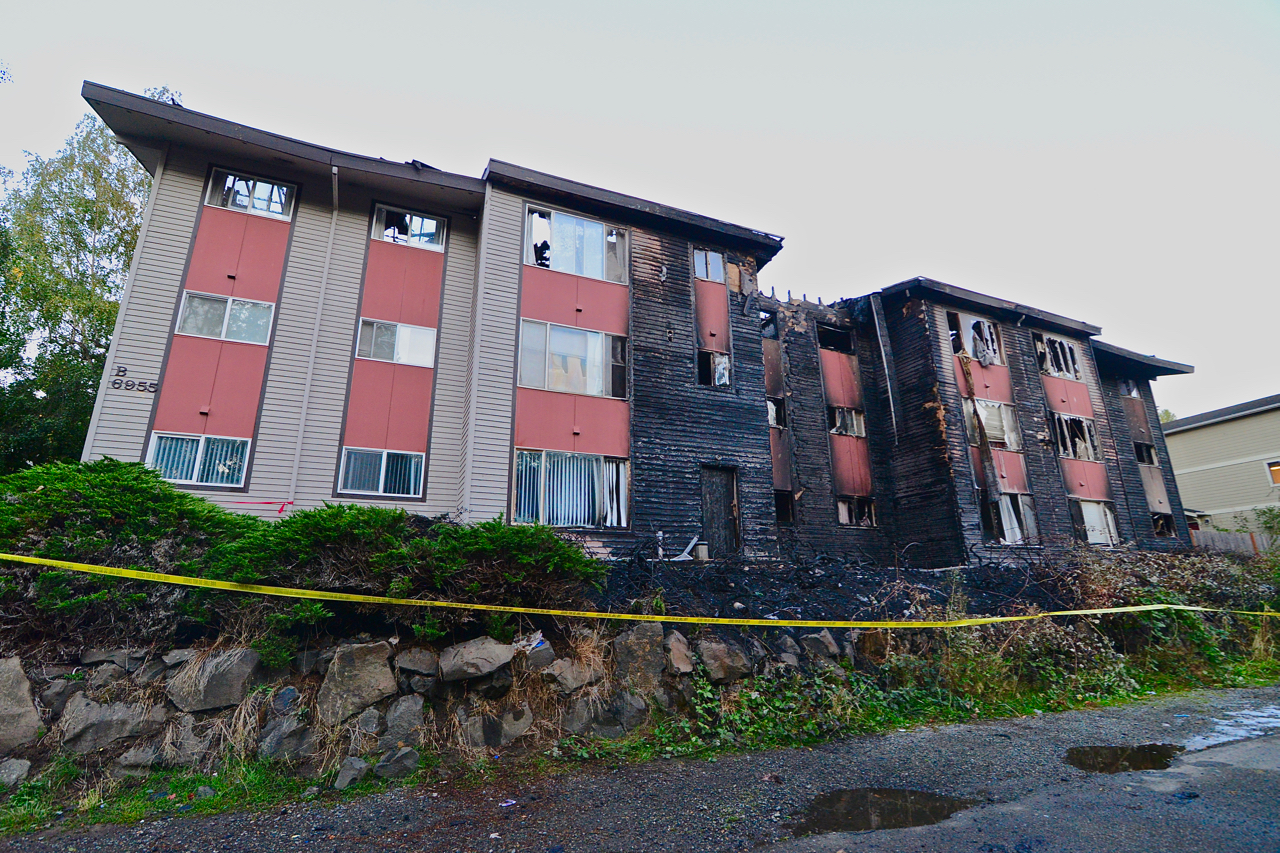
[1057, 357]
[777, 411]
[408, 229]
[713, 369]
[784, 505]
[565, 243]
[1095, 522]
[1129, 388]
[1011, 520]
[562, 358]
[842, 421]
[1075, 437]
[251, 195]
[398, 342]
[1273, 471]
[708, 265]
[1146, 453]
[975, 336]
[832, 337]
[1000, 420]
[1162, 523]
[569, 489]
[769, 325]
[856, 511]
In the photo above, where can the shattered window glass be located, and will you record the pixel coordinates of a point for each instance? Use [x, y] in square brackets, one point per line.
[251, 195]
[777, 407]
[856, 511]
[1075, 438]
[999, 420]
[1129, 388]
[769, 325]
[576, 245]
[1057, 357]
[408, 229]
[976, 336]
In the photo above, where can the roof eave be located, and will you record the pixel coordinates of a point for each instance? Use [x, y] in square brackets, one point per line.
[991, 303]
[1148, 366]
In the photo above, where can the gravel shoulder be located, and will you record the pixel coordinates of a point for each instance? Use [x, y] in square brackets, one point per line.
[1013, 768]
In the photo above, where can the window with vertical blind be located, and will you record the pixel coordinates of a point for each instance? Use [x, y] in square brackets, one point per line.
[205, 460]
[569, 489]
[368, 471]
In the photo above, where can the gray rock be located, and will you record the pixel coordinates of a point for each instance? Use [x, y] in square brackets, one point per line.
[137, 761]
[757, 651]
[313, 791]
[473, 733]
[204, 792]
[13, 772]
[726, 662]
[150, 671]
[305, 662]
[370, 722]
[285, 701]
[397, 764]
[404, 723]
[105, 675]
[639, 658]
[516, 722]
[425, 686]
[788, 645]
[474, 658]
[539, 656]
[19, 720]
[821, 644]
[495, 685]
[568, 675]
[177, 657]
[220, 680]
[126, 659]
[789, 660]
[576, 719]
[55, 696]
[352, 771]
[185, 748]
[420, 661]
[629, 709]
[324, 659]
[496, 732]
[358, 676]
[679, 659]
[287, 739]
[87, 726]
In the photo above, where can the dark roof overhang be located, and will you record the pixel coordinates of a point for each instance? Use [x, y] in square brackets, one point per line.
[628, 209]
[1014, 311]
[1239, 410]
[145, 126]
[1130, 363]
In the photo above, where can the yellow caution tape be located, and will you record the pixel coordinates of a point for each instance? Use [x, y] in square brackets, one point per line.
[323, 595]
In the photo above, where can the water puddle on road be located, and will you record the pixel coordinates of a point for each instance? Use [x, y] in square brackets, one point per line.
[1239, 725]
[1122, 759]
[863, 809]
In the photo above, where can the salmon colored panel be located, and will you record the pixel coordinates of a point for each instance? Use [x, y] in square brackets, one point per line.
[216, 253]
[1067, 396]
[1135, 412]
[369, 405]
[604, 306]
[1012, 469]
[410, 408]
[1086, 480]
[262, 255]
[233, 405]
[712, 301]
[550, 296]
[851, 464]
[993, 382]
[603, 425]
[188, 384]
[544, 419]
[840, 379]
[384, 281]
[772, 367]
[780, 450]
[424, 271]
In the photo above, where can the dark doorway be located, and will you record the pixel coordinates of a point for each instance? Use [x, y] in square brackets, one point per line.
[720, 510]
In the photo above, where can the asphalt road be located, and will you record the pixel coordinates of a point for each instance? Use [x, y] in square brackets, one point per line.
[1217, 797]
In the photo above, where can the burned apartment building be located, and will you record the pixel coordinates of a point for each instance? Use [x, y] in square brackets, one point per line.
[302, 325]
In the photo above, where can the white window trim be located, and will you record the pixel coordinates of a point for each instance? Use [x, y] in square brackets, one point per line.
[859, 422]
[1097, 441]
[528, 244]
[226, 317]
[382, 471]
[724, 265]
[542, 487]
[1266, 467]
[961, 316]
[1109, 517]
[1071, 347]
[195, 468]
[439, 220]
[606, 360]
[435, 353]
[285, 217]
[1008, 414]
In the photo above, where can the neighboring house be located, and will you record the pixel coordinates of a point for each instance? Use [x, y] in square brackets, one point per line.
[1228, 462]
[302, 325]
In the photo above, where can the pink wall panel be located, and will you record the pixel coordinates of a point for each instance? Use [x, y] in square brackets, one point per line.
[261, 263]
[851, 465]
[549, 296]
[1086, 480]
[993, 382]
[840, 379]
[423, 274]
[410, 419]
[233, 403]
[604, 306]
[1012, 470]
[216, 252]
[773, 386]
[1067, 396]
[187, 387]
[369, 404]
[712, 304]
[603, 424]
[548, 420]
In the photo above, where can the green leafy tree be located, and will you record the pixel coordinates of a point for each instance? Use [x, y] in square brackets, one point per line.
[1166, 416]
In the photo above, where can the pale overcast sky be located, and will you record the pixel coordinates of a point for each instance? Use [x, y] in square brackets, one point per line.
[1118, 162]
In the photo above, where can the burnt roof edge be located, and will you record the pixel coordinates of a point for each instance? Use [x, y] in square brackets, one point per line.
[960, 294]
[1153, 365]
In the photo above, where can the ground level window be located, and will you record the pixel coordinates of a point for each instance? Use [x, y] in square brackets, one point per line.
[204, 460]
[1146, 453]
[381, 472]
[1010, 520]
[713, 369]
[1163, 524]
[569, 489]
[856, 511]
[1095, 522]
[784, 505]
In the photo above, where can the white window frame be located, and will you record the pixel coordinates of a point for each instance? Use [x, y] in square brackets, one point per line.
[624, 261]
[1111, 532]
[706, 265]
[1091, 431]
[1271, 473]
[435, 339]
[850, 511]
[1028, 530]
[226, 317]
[1072, 356]
[966, 322]
[858, 419]
[1133, 385]
[382, 473]
[606, 360]
[195, 468]
[624, 509]
[377, 233]
[287, 216]
[1012, 440]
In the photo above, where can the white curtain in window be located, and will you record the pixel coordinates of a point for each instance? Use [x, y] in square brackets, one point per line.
[1010, 521]
[615, 493]
[528, 487]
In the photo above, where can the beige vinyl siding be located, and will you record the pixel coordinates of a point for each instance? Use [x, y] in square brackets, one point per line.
[119, 425]
[1222, 468]
[487, 448]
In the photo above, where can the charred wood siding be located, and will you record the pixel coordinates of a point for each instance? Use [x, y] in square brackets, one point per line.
[1166, 469]
[677, 426]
